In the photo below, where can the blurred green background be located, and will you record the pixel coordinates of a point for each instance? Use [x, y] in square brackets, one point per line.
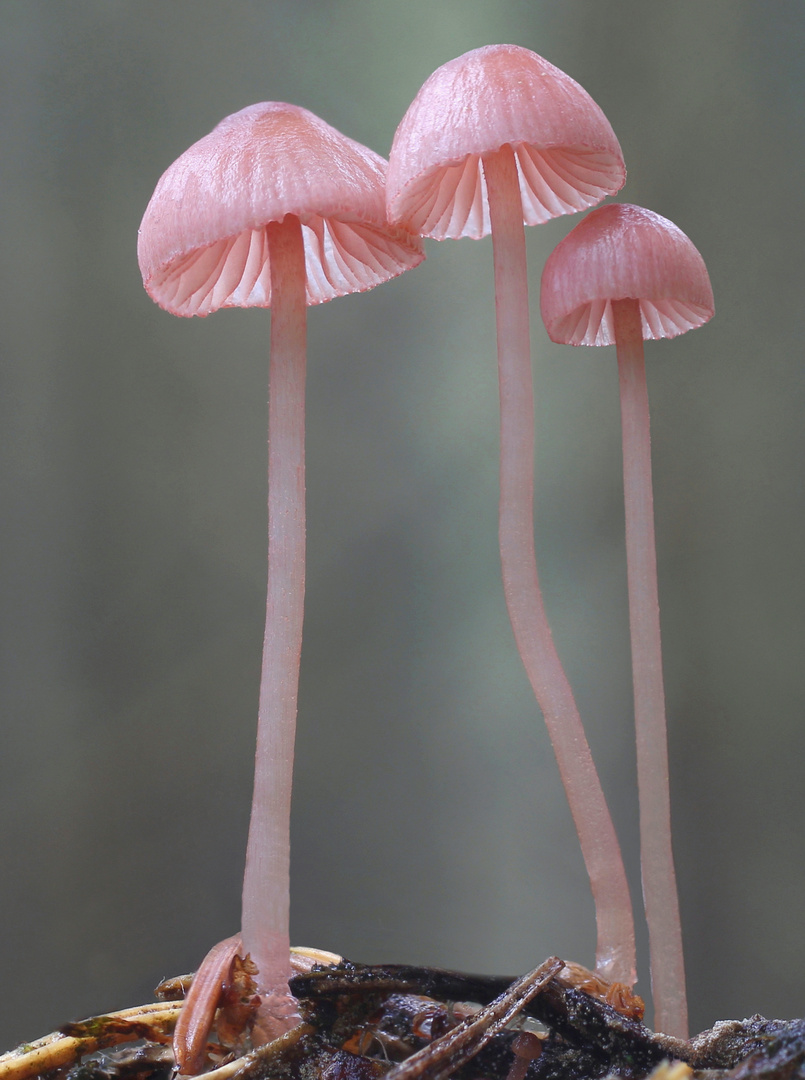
[429, 822]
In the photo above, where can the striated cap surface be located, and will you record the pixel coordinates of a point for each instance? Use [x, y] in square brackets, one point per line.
[202, 243]
[621, 252]
[567, 155]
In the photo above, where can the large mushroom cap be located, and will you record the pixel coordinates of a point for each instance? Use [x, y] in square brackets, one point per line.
[202, 242]
[567, 155]
[621, 252]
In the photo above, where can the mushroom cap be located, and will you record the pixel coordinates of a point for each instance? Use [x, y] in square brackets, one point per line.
[621, 252]
[567, 155]
[202, 242]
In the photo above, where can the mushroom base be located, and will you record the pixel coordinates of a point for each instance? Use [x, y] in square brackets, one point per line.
[361, 1023]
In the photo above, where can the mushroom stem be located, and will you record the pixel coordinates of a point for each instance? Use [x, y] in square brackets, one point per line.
[615, 951]
[266, 885]
[656, 855]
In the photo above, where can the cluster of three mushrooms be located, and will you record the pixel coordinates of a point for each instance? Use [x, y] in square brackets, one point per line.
[275, 208]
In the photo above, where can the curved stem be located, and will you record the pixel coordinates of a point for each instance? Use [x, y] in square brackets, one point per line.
[198, 1010]
[656, 856]
[615, 953]
[266, 885]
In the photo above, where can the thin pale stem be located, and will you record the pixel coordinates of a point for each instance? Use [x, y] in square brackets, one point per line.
[615, 952]
[656, 856]
[266, 885]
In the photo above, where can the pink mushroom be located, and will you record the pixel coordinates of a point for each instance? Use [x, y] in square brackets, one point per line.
[622, 275]
[274, 208]
[496, 138]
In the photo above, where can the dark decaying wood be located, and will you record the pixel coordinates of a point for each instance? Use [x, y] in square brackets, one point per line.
[412, 1023]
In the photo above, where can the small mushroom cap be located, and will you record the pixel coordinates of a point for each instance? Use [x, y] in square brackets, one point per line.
[202, 242]
[567, 155]
[621, 252]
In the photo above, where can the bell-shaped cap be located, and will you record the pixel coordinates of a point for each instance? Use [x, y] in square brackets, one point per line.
[567, 155]
[202, 242]
[621, 252]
